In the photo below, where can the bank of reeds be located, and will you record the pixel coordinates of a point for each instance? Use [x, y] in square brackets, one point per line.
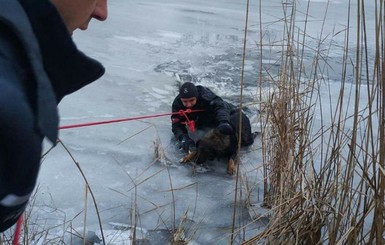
[324, 149]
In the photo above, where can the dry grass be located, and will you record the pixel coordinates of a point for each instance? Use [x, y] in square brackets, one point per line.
[326, 185]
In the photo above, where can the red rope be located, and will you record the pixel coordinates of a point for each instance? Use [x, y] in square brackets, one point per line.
[128, 119]
[190, 123]
[18, 230]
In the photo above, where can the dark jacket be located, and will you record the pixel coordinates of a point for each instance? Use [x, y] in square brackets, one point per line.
[215, 110]
[39, 65]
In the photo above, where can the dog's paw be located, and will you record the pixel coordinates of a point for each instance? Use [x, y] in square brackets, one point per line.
[184, 159]
[189, 157]
[231, 168]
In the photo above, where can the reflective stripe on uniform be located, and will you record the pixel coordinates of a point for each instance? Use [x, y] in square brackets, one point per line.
[14, 200]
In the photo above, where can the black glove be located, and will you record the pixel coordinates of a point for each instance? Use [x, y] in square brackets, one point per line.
[225, 128]
[186, 142]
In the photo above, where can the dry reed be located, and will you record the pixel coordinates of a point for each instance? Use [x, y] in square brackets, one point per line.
[325, 185]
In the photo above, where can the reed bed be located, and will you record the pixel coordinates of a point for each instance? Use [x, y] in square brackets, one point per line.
[324, 182]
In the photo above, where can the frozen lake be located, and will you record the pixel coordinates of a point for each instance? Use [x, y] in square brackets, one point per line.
[146, 46]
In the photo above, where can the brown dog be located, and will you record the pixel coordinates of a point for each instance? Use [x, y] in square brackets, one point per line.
[216, 145]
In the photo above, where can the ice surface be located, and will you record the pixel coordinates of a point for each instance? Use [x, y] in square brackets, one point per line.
[146, 47]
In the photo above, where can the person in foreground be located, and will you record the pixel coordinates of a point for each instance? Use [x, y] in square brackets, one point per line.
[208, 111]
[39, 65]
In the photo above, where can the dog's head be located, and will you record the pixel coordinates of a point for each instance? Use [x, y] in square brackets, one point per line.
[212, 145]
[205, 151]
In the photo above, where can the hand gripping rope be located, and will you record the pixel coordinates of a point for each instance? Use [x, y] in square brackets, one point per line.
[189, 123]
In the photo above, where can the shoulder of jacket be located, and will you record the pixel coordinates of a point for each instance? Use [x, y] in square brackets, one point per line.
[11, 48]
[16, 30]
[206, 94]
[203, 89]
[13, 16]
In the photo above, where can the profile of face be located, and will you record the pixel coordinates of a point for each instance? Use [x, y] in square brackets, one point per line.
[189, 102]
[77, 14]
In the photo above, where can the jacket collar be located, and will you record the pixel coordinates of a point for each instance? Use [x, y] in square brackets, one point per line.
[67, 67]
[59, 67]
